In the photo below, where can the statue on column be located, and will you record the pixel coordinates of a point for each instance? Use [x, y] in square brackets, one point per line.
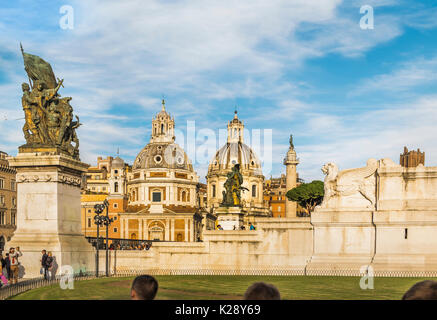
[233, 187]
[291, 142]
[48, 117]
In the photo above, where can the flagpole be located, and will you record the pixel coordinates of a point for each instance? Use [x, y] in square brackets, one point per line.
[22, 52]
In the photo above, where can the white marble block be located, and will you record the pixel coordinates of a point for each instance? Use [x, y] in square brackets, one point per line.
[48, 213]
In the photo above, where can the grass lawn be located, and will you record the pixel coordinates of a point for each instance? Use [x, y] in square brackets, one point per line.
[228, 287]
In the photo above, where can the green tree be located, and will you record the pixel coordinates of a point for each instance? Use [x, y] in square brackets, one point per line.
[307, 195]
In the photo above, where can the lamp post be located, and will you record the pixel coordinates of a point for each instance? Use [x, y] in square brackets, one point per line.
[98, 209]
[107, 222]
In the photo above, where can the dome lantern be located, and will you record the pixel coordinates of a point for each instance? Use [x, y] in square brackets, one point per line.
[235, 130]
[163, 126]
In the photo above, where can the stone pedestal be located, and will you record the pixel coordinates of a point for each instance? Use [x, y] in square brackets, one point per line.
[230, 217]
[344, 241]
[48, 212]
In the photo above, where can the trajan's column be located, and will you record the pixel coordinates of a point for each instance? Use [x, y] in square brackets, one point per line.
[290, 163]
[49, 175]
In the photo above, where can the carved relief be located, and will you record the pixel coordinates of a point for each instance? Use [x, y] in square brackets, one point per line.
[44, 177]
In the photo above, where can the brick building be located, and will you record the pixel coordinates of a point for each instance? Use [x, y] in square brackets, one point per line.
[412, 158]
[8, 200]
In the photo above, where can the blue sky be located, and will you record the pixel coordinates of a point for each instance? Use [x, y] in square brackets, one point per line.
[301, 67]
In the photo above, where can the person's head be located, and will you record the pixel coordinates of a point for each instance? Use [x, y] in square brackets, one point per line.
[262, 291]
[43, 252]
[49, 254]
[11, 250]
[144, 288]
[423, 290]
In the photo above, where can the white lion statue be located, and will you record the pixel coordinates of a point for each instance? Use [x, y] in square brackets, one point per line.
[348, 188]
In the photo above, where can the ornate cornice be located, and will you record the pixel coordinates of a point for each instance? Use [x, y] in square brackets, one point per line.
[33, 177]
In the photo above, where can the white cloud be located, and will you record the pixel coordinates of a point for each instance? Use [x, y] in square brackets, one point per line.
[408, 75]
[129, 53]
[374, 134]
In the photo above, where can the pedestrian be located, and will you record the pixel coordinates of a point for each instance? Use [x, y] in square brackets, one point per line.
[8, 266]
[44, 267]
[49, 264]
[423, 290]
[144, 288]
[13, 256]
[3, 267]
[262, 291]
[251, 226]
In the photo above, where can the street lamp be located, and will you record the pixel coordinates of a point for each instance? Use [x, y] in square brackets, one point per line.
[100, 221]
[107, 221]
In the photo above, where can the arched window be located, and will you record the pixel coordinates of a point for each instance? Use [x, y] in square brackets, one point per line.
[184, 196]
[162, 128]
[254, 190]
[213, 190]
[116, 187]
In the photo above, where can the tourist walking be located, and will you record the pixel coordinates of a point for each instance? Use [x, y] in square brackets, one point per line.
[8, 266]
[44, 267]
[3, 267]
[49, 263]
[13, 256]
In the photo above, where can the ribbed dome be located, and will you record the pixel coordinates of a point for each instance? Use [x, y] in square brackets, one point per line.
[162, 155]
[232, 153]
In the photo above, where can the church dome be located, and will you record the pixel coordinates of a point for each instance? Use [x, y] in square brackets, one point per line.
[235, 151]
[162, 155]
